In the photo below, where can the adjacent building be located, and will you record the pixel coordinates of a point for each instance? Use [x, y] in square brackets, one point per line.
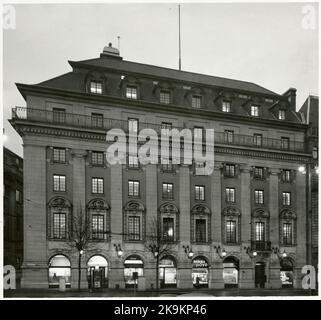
[244, 224]
[13, 210]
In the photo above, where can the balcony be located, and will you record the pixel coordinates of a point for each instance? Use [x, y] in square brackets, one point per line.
[87, 122]
[261, 245]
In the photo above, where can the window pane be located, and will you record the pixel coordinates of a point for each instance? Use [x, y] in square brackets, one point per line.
[131, 92]
[59, 115]
[231, 231]
[257, 140]
[259, 231]
[226, 106]
[97, 120]
[196, 101]
[168, 229]
[59, 155]
[98, 226]
[164, 97]
[287, 233]
[200, 230]
[59, 225]
[134, 228]
[96, 87]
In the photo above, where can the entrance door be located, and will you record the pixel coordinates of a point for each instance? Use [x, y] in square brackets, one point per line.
[97, 277]
[260, 277]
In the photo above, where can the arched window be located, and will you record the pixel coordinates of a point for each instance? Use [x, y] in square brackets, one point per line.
[200, 224]
[169, 222]
[133, 266]
[97, 272]
[167, 272]
[231, 226]
[59, 267]
[260, 230]
[287, 227]
[134, 221]
[200, 272]
[99, 217]
[59, 218]
[231, 272]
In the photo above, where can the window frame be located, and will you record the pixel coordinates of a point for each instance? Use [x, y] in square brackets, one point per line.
[94, 89]
[97, 185]
[259, 196]
[253, 112]
[129, 94]
[167, 195]
[198, 194]
[134, 184]
[59, 150]
[228, 192]
[60, 177]
[54, 227]
[196, 101]
[226, 106]
[96, 162]
[164, 97]
[286, 201]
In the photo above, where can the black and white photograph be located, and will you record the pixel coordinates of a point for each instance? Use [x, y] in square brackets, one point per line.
[160, 150]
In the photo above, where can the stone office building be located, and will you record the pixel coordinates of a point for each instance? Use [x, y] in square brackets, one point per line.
[243, 225]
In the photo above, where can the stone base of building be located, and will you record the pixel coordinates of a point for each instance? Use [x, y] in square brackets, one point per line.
[34, 278]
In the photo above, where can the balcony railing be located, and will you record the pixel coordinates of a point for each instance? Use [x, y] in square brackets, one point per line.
[88, 122]
[261, 245]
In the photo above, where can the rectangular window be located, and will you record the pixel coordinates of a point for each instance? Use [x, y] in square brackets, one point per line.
[131, 92]
[133, 161]
[285, 143]
[281, 115]
[165, 97]
[200, 230]
[59, 183]
[97, 185]
[18, 196]
[258, 173]
[97, 158]
[198, 133]
[59, 225]
[97, 224]
[259, 231]
[134, 228]
[133, 188]
[133, 125]
[286, 198]
[200, 193]
[229, 136]
[287, 233]
[230, 194]
[230, 231]
[96, 87]
[226, 106]
[97, 120]
[166, 127]
[59, 115]
[257, 140]
[286, 175]
[168, 229]
[229, 170]
[168, 191]
[259, 196]
[196, 101]
[255, 110]
[167, 164]
[59, 155]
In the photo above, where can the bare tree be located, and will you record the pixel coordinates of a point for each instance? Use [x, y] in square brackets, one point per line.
[157, 245]
[79, 236]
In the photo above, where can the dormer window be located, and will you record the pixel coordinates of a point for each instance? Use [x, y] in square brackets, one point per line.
[96, 87]
[131, 92]
[165, 97]
[196, 102]
[255, 110]
[226, 106]
[281, 115]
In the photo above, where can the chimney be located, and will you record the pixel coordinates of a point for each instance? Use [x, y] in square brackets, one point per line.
[291, 97]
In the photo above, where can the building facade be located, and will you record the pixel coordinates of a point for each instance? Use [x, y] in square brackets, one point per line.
[242, 225]
[13, 210]
[310, 113]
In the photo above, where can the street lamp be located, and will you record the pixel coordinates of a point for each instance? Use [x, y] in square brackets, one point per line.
[118, 249]
[301, 169]
[280, 255]
[154, 249]
[221, 252]
[189, 252]
[251, 254]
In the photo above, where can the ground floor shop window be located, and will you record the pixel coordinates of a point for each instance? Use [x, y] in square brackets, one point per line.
[59, 270]
[97, 272]
[200, 272]
[231, 272]
[133, 268]
[167, 273]
[286, 273]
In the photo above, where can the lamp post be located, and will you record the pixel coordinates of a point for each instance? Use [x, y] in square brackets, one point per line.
[189, 252]
[155, 251]
[251, 253]
[118, 249]
[221, 252]
[80, 253]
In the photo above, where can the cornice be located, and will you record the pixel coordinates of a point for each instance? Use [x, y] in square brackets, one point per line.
[150, 106]
[25, 128]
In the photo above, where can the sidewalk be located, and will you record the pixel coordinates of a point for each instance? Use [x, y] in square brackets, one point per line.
[129, 293]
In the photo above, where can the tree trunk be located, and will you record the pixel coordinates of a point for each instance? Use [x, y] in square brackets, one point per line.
[157, 272]
[79, 271]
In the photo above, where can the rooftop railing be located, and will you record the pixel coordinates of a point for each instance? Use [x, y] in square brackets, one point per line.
[104, 124]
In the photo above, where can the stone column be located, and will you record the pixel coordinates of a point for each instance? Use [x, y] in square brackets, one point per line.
[116, 275]
[246, 264]
[184, 275]
[274, 272]
[216, 268]
[299, 202]
[35, 264]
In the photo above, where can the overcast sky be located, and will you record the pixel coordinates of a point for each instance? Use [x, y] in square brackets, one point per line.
[262, 43]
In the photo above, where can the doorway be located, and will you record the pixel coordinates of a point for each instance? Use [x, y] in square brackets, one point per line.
[260, 277]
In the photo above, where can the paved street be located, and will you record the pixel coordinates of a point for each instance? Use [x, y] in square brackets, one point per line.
[188, 294]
